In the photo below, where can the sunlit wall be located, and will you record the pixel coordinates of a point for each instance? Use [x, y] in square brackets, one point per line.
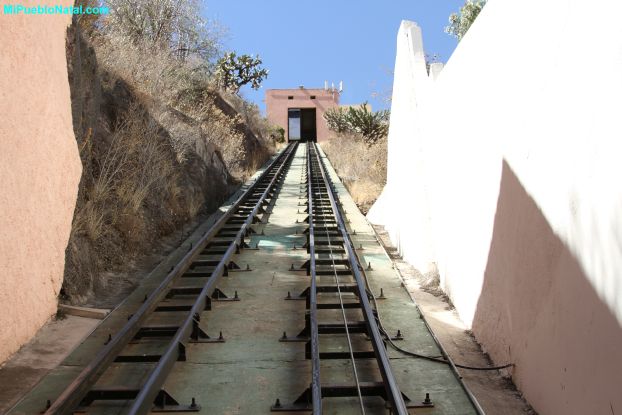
[504, 175]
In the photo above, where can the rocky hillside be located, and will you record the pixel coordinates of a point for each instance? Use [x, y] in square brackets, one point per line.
[154, 158]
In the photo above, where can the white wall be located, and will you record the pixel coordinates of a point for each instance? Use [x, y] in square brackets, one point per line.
[508, 166]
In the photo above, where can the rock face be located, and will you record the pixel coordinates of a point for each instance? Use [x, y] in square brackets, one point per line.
[147, 172]
[39, 173]
[151, 166]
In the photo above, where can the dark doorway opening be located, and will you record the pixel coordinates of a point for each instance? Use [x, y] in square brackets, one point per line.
[308, 128]
[301, 124]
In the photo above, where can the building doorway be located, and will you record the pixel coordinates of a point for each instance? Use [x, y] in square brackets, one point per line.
[301, 124]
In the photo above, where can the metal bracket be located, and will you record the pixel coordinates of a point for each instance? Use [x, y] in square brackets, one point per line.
[163, 402]
[237, 268]
[304, 403]
[302, 337]
[218, 295]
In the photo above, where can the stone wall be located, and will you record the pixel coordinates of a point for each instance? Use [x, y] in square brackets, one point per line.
[39, 172]
[504, 176]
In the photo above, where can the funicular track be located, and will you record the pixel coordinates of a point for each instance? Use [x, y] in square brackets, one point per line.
[186, 292]
[343, 367]
[332, 259]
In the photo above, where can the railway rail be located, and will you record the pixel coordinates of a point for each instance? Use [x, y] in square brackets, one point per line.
[188, 290]
[345, 343]
[332, 254]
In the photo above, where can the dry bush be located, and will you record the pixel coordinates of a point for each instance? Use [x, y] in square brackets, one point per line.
[157, 145]
[188, 88]
[232, 125]
[176, 25]
[195, 203]
[89, 220]
[260, 139]
[220, 130]
[147, 165]
[242, 149]
[251, 116]
[362, 168]
[149, 69]
[371, 126]
[136, 164]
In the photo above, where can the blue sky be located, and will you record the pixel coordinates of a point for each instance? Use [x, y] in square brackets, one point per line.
[306, 43]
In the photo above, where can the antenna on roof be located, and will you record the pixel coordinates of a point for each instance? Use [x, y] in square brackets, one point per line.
[332, 86]
[325, 85]
[340, 87]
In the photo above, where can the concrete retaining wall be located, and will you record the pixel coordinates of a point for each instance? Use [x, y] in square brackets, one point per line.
[39, 172]
[508, 163]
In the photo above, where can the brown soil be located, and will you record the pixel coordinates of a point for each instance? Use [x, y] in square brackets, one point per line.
[121, 282]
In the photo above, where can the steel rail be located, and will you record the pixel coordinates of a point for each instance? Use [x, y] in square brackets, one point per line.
[394, 394]
[444, 354]
[316, 387]
[339, 293]
[74, 393]
[144, 401]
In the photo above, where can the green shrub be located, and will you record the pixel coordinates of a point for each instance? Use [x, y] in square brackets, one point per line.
[233, 72]
[337, 120]
[279, 134]
[372, 126]
[459, 23]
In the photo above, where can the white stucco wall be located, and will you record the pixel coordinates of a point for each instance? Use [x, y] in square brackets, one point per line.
[507, 163]
[40, 171]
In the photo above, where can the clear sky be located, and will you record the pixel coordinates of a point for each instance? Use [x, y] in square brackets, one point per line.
[308, 42]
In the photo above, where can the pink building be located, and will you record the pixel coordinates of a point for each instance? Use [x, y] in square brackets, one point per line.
[300, 111]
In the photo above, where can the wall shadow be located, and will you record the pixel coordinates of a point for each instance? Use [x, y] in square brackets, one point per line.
[539, 310]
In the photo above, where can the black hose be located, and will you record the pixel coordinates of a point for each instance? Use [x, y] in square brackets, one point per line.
[438, 359]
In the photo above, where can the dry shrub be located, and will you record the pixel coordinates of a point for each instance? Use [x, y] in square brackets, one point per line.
[89, 220]
[157, 146]
[194, 203]
[251, 116]
[149, 69]
[137, 164]
[187, 87]
[361, 167]
[147, 165]
[220, 130]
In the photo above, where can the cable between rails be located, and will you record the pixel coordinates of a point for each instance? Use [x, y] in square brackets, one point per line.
[343, 311]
